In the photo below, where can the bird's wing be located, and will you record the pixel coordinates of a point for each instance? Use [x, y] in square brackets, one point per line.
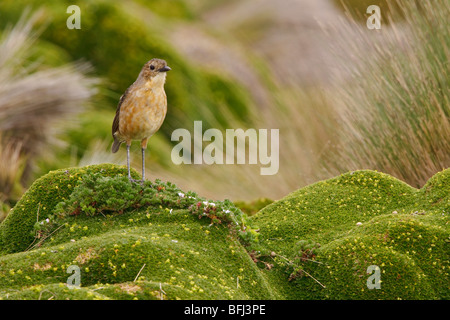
[115, 125]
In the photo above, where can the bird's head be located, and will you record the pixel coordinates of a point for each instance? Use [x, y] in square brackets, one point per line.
[155, 69]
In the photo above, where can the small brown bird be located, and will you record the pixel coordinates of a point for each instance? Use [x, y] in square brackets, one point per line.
[141, 110]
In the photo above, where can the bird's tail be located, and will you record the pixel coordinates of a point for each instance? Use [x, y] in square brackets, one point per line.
[115, 146]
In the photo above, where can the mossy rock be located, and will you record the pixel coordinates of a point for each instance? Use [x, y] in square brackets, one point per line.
[341, 226]
[150, 252]
[17, 231]
[360, 219]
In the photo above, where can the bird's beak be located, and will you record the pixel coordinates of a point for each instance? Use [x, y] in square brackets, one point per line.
[164, 69]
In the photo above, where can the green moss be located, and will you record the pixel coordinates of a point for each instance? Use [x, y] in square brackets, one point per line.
[165, 241]
[171, 9]
[436, 192]
[315, 243]
[202, 264]
[360, 219]
[38, 203]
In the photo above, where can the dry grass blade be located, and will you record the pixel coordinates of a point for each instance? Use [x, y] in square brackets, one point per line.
[137, 276]
[11, 167]
[34, 100]
[396, 107]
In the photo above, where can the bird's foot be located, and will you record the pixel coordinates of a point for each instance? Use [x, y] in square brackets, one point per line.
[141, 182]
[135, 180]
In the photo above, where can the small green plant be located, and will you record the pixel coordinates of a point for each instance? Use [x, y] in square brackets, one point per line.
[42, 230]
[307, 251]
[226, 211]
[98, 194]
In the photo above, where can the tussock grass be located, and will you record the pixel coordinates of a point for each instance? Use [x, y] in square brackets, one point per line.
[388, 110]
[397, 105]
[11, 167]
[34, 101]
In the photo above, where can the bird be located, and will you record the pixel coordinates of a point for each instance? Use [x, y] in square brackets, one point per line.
[141, 110]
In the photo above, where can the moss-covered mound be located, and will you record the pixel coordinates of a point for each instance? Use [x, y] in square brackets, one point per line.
[146, 250]
[164, 243]
[324, 237]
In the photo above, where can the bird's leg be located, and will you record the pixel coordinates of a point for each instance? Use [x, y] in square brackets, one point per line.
[128, 162]
[143, 147]
[143, 164]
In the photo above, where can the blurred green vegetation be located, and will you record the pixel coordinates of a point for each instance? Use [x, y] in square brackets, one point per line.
[117, 44]
[357, 9]
[252, 207]
[170, 9]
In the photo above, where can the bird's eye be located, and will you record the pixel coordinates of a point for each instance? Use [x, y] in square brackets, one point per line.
[152, 67]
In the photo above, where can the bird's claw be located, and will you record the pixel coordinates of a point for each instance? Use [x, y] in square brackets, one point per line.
[141, 182]
[136, 181]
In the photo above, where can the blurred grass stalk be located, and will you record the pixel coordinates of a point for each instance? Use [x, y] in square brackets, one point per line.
[391, 114]
[34, 101]
[11, 168]
[396, 107]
